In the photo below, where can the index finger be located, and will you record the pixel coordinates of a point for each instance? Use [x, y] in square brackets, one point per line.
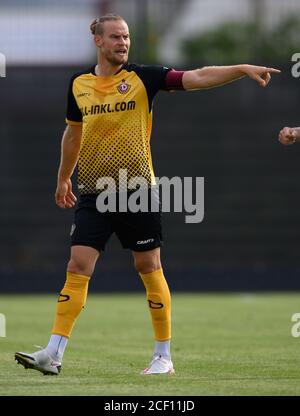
[273, 70]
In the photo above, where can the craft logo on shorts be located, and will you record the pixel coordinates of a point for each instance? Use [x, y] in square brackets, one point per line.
[124, 88]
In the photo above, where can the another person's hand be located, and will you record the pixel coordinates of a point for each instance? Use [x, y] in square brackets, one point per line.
[260, 74]
[287, 135]
[64, 196]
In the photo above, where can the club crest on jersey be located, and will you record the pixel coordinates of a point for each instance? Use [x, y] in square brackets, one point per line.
[124, 88]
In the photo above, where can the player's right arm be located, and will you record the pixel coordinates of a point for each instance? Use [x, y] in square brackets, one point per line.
[70, 148]
[289, 135]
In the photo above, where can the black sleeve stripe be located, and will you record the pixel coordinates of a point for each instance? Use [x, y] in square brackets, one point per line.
[152, 76]
[73, 112]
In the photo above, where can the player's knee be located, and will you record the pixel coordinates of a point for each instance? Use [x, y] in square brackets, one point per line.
[78, 266]
[147, 265]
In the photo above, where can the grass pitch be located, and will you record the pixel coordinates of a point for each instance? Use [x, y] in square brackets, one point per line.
[235, 344]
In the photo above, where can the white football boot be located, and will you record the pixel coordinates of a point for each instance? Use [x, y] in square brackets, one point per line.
[159, 365]
[40, 361]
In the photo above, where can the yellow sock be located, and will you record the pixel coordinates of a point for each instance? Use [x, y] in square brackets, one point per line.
[70, 303]
[159, 302]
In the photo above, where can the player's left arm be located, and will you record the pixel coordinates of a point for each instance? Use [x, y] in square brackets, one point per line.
[215, 76]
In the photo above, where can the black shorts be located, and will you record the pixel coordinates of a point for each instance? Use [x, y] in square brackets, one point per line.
[140, 231]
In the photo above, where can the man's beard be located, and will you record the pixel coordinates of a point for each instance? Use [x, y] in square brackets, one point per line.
[115, 61]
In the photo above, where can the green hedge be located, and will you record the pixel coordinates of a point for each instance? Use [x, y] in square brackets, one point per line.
[237, 42]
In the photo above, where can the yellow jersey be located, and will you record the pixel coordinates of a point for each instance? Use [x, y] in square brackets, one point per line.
[116, 116]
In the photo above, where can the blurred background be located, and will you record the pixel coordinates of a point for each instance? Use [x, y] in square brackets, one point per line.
[249, 239]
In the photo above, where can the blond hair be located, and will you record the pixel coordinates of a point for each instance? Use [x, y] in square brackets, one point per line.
[97, 24]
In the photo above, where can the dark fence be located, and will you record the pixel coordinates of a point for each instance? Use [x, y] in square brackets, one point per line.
[249, 239]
